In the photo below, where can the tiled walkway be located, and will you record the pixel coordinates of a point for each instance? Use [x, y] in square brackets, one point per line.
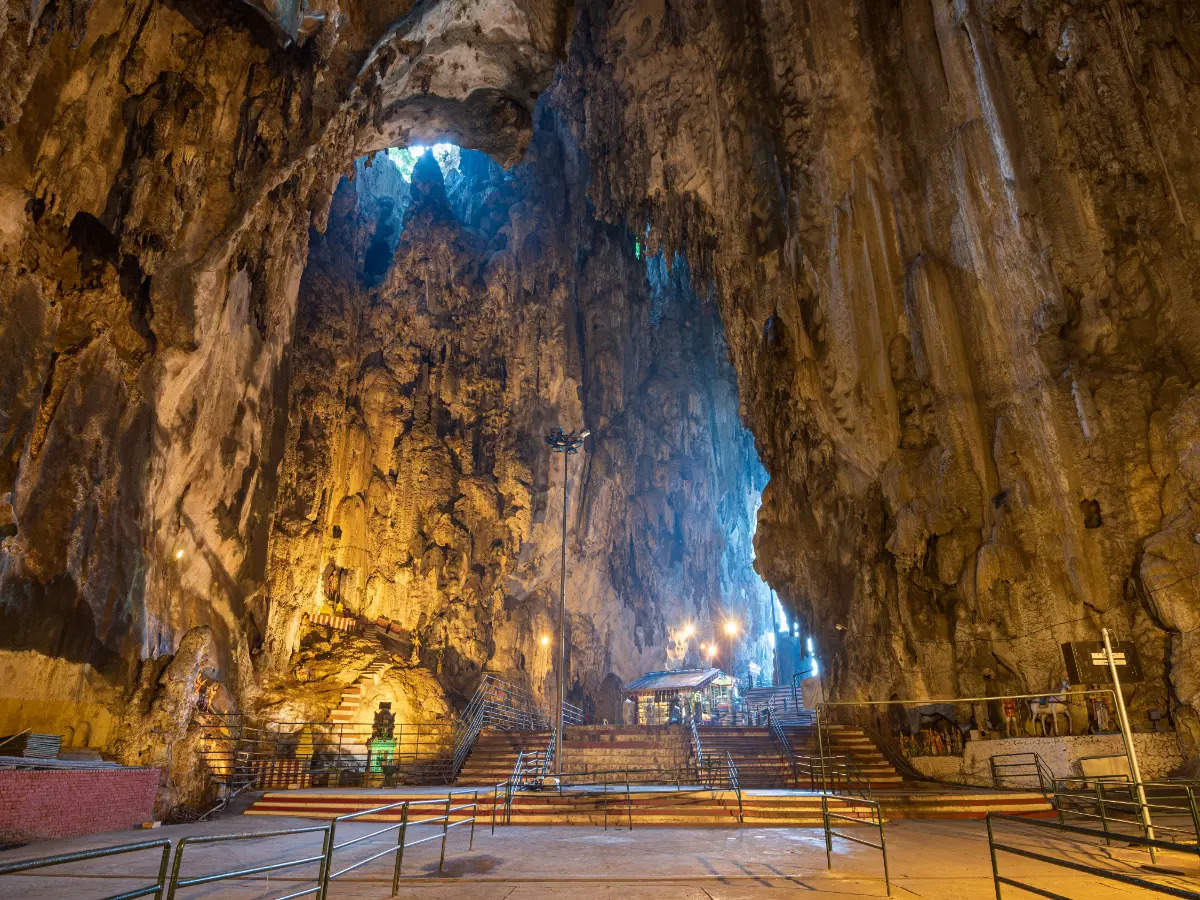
[934, 859]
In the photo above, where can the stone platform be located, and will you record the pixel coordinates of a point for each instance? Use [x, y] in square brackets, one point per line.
[655, 805]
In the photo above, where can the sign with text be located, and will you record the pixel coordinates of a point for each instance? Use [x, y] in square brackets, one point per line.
[1087, 663]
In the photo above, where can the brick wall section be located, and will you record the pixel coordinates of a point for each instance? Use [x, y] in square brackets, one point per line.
[38, 805]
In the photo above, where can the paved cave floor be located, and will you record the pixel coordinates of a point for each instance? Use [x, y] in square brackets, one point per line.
[928, 858]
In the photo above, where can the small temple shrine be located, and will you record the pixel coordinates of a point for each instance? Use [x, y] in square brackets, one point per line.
[708, 695]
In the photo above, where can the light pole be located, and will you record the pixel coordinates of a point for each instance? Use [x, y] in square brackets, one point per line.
[565, 443]
[731, 629]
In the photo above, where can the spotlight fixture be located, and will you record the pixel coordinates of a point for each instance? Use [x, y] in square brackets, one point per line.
[545, 640]
[688, 631]
[179, 553]
[731, 627]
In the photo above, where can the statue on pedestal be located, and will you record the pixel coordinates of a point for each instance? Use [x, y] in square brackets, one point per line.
[384, 727]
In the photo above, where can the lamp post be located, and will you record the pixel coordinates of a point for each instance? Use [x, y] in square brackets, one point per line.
[731, 629]
[565, 443]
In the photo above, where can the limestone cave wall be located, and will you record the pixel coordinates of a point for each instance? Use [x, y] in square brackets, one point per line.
[955, 251]
[161, 164]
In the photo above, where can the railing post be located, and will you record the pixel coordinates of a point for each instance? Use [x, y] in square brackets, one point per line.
[992, 851]
[322, 872]
[400, 849]
[883, 847]
[1103, 817]
[445, 831]
[175, 867]
[327, 862]
[162, 871]
[1191, 799]
[825, 825]
[474, 815]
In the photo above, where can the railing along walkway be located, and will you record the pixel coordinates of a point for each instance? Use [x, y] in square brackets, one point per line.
[61, 859]
[324, 859]
[876, 819]
[1171, 807]
[995, 847]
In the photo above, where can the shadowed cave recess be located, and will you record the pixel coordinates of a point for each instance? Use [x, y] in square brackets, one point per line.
[918, 278]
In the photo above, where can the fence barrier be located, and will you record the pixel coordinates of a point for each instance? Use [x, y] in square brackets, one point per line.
[1170, 807]
[61, 859]
[1134, 880]
[324, 830]
[876, 820]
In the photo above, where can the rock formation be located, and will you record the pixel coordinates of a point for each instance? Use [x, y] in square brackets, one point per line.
[944, 254]
[440, 334]
[160, 167]
[955, 249]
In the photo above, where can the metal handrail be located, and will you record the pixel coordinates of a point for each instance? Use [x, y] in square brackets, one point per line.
[401, 829]
[1093, 799]
[781, 739]
[324, 830]
[835, 771]
[1043, 772]
[491, 706]
[697, 748]
[876, 820]
[998, 879]
[734, 784]
[59, 859]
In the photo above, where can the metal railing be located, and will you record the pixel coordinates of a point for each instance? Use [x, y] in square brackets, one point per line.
[734, 785]
[177, 881]
[876, 819]
[603, 782]
[697, 749]
[838, 774]
[241, 753]
[1170, 807]
[60, 859]
[780, 737]
[1059, 828]
[1022, 765]
[401, 829]
[498, 704]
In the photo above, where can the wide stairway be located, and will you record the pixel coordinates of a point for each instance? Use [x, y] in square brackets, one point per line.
[851, 742]
[495, 754]
[759, 760]
[647, 806]
[785, 706]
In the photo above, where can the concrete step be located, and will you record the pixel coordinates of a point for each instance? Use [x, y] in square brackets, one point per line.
[705, 807]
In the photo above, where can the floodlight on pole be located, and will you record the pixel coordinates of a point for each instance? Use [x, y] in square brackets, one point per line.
[565, 443]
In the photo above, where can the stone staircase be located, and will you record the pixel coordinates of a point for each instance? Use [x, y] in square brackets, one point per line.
[785, 706]
[647, 806]
[846, 740]
[605, 748]
[348, 709]
[495, 754]
[760, 762]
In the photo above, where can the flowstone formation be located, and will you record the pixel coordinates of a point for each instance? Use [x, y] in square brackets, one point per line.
[443, 329]
[955, 249]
